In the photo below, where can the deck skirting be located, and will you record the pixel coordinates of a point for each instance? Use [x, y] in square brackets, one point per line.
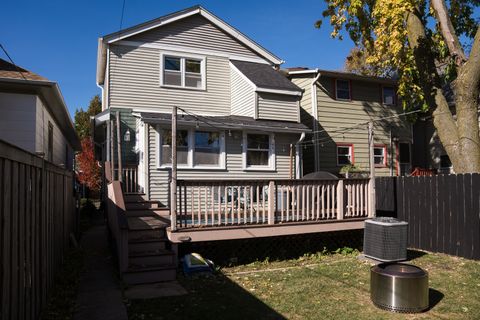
[261, 231]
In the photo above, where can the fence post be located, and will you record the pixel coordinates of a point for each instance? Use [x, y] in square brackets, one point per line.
[271, 202]
[340, 201]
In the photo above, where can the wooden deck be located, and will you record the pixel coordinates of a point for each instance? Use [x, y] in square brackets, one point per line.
[216, 233]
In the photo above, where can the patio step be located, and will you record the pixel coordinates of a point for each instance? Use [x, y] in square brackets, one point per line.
[160, 212]
[146, 228]
[152, 257]
[142, 205]
[135, 197]
[141, 245]
[155, 273]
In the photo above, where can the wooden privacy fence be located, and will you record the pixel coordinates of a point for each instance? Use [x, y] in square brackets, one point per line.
[224, 202]
[37, 215]
[443, 211]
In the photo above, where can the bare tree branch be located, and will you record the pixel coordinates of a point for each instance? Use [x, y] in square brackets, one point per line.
[448, 32]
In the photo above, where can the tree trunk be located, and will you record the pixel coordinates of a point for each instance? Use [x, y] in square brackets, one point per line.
[459, 137]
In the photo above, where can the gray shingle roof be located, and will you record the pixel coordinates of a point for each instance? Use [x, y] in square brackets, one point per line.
[264, 76]
[228, 122]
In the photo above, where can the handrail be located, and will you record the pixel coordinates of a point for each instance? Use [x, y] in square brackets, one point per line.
[118, 223]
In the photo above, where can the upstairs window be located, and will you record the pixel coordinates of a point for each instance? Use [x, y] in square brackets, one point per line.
[388, 96]
[342, 90]
[344, 154]
[183, 72]
[380, 155]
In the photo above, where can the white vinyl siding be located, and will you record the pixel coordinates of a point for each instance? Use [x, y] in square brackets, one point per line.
[194, 32]
[242, 96]
[234, 164]
[17, 123]
[60, 144]
[278, 107]
[134, 82]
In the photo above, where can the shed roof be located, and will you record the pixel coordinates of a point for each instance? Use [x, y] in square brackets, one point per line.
[228, 122]
[265, 76]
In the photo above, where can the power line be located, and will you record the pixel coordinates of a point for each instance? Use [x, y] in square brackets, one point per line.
[11, 60]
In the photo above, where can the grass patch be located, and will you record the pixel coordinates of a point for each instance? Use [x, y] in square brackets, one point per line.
[62, 297]
[318, 286]
[61, 302]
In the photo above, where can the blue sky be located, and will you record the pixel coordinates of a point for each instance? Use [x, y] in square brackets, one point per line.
[58, 39]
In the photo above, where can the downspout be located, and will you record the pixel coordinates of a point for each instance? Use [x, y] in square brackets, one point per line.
[313, 95]
[298, 158]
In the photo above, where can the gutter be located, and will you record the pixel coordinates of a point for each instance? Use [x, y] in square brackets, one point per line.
[313, 95]
[298, 150]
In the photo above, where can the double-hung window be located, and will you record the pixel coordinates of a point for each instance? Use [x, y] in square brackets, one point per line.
[196, 149]
[345, 154]
[207, 148]
[388, 96]
[380, 155]
[166, 147]
[182, 72]
[342, 90]
[259, 151]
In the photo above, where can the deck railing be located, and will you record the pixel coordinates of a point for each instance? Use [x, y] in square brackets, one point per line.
[129, 179]
[227, 203]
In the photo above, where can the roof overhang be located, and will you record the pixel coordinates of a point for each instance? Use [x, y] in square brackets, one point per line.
[226, 122]
[227, 28]
[52, 96]
[343, 75]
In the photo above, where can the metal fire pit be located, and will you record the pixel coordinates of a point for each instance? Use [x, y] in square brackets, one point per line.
[399, 287]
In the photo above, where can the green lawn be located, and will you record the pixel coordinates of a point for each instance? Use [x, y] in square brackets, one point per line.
[323, 286]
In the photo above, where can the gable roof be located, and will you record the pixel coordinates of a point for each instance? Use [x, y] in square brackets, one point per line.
[10, 71]
[19, 80]
[169, 18]
[264, 76]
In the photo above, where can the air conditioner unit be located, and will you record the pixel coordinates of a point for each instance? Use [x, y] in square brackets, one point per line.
[385, 239]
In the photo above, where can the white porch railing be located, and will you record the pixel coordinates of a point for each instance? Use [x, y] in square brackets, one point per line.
[222, 203]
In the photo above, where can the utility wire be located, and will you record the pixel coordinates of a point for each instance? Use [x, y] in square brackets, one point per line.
[11, 60]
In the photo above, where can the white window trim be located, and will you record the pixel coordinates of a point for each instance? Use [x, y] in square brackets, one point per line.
[384, 154]
[350, 154]
[182, 56]
[191, 149]
[394, 96]
[349, 90]
[271, 153]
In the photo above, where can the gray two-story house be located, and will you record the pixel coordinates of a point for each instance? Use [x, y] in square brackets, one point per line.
[238, 116]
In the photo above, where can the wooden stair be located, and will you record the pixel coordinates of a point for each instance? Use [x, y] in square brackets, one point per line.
[150, 258]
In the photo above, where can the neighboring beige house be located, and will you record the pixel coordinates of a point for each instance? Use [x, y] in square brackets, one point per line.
[239, 116]
[337, 106]
[34, 116]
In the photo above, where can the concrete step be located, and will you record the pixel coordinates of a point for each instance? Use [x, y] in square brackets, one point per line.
[151, 274]
[138, 246]
[161, 212]
[149, 258]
